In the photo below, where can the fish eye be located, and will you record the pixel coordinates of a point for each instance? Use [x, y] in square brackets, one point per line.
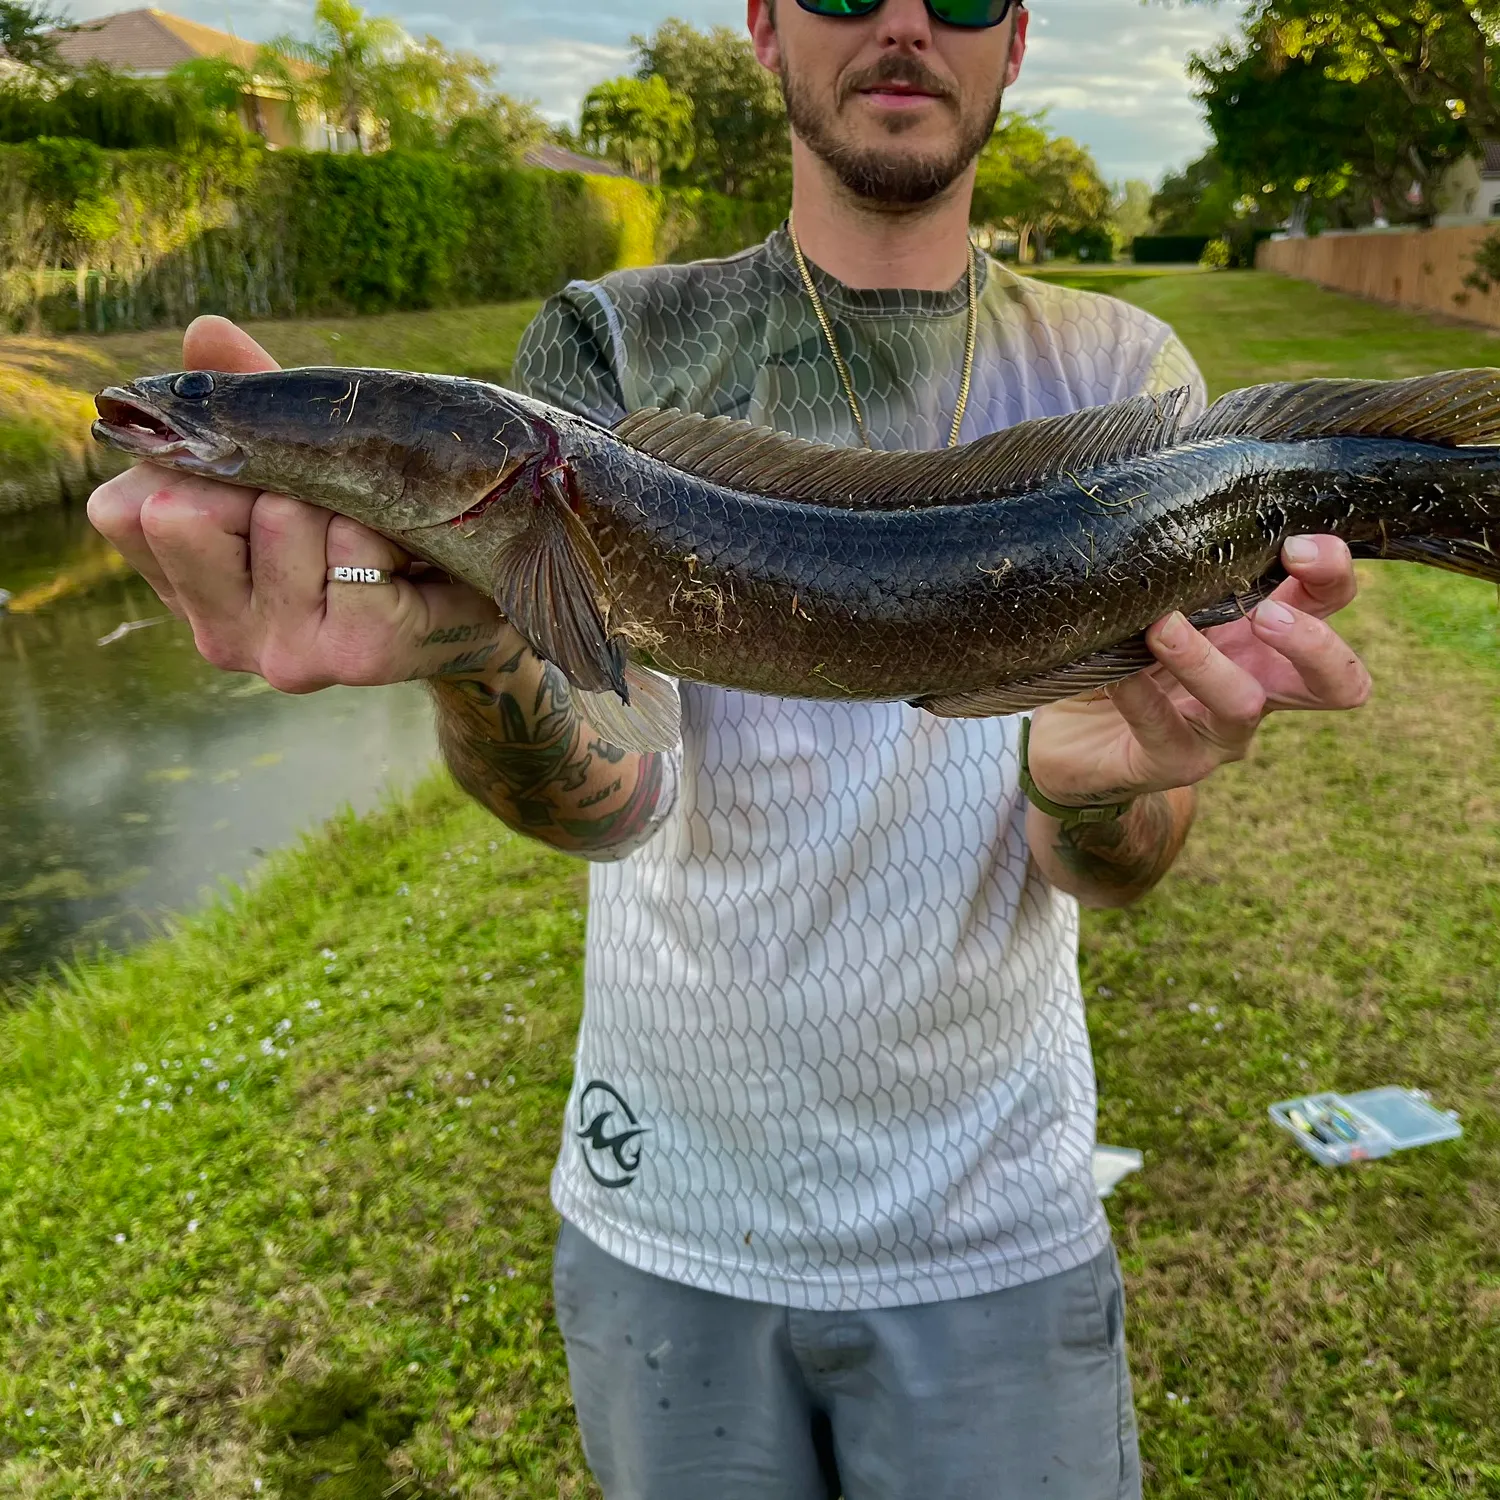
[194, 386]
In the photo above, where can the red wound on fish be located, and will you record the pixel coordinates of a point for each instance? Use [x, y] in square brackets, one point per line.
[475, 511]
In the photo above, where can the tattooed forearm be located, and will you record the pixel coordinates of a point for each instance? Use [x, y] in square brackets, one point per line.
[602, 795]
[637, 818]
[515, 741]
[1111, 864]
[466, 662]
[452, 635]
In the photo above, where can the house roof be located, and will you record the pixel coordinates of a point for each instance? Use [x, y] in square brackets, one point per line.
[1491, 166]
[559, 159]
[151, 41]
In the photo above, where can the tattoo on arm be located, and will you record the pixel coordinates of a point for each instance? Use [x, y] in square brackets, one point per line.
[466, 661]
[1125, 858]
[453, 635]
[517, 744]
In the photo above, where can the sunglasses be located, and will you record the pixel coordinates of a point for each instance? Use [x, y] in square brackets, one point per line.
[972, 15]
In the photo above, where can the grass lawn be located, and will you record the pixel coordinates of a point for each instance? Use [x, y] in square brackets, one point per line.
[1249, 326]
[1113, 278]
[325, 1267]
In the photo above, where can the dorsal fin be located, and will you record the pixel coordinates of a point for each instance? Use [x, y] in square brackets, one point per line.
[742, 456]
[1453, 407]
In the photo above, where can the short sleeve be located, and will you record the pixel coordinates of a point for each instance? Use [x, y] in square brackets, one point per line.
[567, 356]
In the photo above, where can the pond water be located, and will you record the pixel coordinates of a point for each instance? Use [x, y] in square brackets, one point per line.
[134, 777]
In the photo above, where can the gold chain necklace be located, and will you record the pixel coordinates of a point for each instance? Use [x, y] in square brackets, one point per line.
[965, 380]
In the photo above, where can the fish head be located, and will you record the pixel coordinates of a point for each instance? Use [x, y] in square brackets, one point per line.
[397, 451]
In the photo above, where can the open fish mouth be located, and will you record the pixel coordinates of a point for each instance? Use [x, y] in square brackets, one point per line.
[133, 425]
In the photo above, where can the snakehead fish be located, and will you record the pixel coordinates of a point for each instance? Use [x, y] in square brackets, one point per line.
[984, 579]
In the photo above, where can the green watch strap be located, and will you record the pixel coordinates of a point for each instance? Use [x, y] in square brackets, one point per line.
[1069, 817]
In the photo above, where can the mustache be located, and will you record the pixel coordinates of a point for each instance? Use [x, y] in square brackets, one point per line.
[897, 68]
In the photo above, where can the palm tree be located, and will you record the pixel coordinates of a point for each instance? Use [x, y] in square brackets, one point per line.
[373, 80]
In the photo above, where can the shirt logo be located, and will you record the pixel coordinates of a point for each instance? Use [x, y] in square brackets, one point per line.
[611, 1150]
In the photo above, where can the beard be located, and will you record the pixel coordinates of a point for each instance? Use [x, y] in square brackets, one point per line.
[886, 176]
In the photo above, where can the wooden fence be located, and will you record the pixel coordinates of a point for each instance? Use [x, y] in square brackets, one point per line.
[1422, 268]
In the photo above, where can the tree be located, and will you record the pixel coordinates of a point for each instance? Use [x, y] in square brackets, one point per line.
[213, 85]
[1200, 199]
[1302, 139]
[428, 89]
[113, 110]
[642, 123]
[501, 129]
[740, 143]
[1033, 184]
[28, 35]
[1130, 209]
[374, 80]
[1439, 55]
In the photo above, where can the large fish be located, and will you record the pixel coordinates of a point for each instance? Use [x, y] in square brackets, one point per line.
[1015, 570]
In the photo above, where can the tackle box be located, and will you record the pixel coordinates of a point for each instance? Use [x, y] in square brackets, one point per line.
[1371, 1123]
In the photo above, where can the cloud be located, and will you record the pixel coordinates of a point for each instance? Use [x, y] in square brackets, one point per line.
[554, 73]
[1110, 72]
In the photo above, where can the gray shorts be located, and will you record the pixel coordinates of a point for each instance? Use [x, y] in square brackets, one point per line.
[683, 1394]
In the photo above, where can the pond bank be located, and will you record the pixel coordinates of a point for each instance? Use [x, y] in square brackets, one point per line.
[47, 382]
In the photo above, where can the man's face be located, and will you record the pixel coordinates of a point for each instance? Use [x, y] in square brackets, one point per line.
[896, 103]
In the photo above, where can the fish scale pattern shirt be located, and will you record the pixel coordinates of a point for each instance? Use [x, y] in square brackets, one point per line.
[833, 1051]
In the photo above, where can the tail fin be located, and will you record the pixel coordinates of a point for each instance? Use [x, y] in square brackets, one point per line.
[1453, 408]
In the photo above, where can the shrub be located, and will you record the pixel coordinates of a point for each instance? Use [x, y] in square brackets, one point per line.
[98, 239]
[1152, 249]
[1216, 256]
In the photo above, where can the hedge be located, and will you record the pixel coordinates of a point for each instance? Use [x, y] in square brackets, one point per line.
[100, 240]
[1155, 249]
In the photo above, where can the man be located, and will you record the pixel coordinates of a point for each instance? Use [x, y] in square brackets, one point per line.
[828, 1215]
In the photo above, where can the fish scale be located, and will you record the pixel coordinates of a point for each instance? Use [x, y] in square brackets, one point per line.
[1009, 572]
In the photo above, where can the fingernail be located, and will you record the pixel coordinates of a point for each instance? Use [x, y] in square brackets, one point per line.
[1169, 633]
[1274, 616]
[1300, 549]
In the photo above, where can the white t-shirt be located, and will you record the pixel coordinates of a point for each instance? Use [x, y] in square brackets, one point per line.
[833, 1052]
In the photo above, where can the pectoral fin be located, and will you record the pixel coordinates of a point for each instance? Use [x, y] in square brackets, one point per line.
[550, 584]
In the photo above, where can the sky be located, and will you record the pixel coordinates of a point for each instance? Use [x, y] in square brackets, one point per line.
[1110, 73]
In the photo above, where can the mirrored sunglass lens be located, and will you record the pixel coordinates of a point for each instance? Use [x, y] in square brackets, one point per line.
[840, 7]
[969, 12]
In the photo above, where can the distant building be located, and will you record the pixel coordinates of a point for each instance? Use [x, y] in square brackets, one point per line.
[150, 43]
[560, 159]
[1468, 192]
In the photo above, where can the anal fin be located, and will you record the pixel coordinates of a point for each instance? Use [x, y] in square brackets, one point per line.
[1089, 672]
[1472, 559]
[651, 720]
[1098, 670]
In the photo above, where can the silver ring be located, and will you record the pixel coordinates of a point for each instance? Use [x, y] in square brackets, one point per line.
[360, 575]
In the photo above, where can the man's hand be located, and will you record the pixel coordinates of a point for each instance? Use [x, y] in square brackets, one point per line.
[1170, 726]
[248, 571]
[1173, 724]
